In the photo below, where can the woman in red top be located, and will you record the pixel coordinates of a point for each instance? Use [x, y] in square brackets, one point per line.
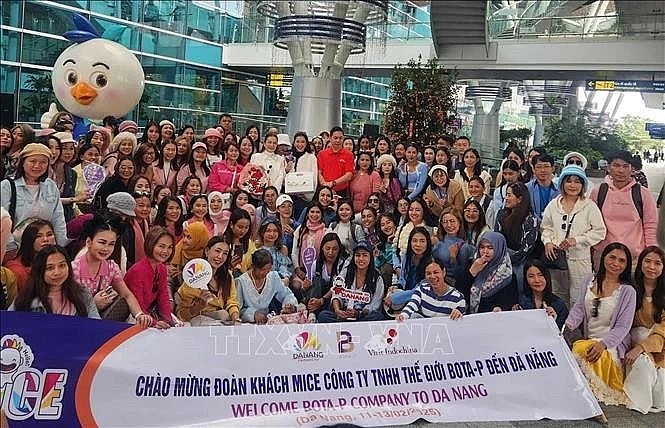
[225, 173]
[147, 279]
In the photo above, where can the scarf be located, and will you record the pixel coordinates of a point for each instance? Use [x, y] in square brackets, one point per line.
[217, 217]
[199, 234]
[314, 235]
[496, 275]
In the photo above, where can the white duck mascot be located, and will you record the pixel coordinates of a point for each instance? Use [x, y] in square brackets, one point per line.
[95, 77]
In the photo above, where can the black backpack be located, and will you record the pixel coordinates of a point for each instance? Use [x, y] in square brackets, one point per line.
[635, 191]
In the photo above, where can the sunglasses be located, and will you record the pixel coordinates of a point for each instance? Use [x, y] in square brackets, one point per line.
[574, 162]
[594, 307]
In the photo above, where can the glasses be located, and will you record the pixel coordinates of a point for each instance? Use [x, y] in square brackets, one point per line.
[373, 200]
[594, 307]
[574, 162]
[450, 221]
[471, 211]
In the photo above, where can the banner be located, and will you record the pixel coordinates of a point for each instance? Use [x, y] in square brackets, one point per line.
[488, 367]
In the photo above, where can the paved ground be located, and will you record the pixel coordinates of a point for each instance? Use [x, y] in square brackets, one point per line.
[617, 417]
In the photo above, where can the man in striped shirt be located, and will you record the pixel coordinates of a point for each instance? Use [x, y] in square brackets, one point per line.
[434, 298]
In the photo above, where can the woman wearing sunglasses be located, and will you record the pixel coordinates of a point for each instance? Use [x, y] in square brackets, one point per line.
[605, 310]
[572, 223]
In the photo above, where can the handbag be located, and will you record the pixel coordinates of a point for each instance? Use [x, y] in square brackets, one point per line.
[560, 261]
[118, 310]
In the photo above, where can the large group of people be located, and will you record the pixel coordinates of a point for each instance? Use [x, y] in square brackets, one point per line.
[103, 226]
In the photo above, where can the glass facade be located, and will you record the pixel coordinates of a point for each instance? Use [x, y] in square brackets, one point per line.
[179, 44]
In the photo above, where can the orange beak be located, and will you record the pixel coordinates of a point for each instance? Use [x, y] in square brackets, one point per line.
[83, 93]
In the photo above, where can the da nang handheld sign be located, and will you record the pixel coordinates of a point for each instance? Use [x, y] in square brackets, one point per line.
[197, 273]
[369, 374]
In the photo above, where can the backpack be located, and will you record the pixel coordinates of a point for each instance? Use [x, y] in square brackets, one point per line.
[635, 191]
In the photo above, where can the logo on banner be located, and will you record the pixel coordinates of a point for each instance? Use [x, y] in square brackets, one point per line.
[305, 347]
[25, 391]
[345, 342]
[386, 344]
[197, 273]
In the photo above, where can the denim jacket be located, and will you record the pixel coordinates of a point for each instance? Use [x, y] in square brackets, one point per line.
[49, 207]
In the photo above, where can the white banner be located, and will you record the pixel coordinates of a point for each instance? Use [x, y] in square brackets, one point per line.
[489, 367]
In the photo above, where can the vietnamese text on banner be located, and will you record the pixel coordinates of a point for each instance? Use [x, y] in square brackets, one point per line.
[488, 367]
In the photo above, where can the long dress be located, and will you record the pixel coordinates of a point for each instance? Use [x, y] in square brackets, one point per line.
[605, 375]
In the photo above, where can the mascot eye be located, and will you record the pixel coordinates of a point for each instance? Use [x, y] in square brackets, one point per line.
[72, 78]
[99, 79]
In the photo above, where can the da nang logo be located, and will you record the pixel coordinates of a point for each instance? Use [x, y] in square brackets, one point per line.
[305, 346]
[197, 273]
[386, 343]
[25, 391]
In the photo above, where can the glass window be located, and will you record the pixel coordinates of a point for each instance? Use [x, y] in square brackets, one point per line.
[200, 78]
[41, 50]
[82, 4]
[203, 53]
[9, 45]
[11, 13]
[8, 75]
[46, 19]
[229, 96]
[161, 70]
[35, 94]
[125, 35]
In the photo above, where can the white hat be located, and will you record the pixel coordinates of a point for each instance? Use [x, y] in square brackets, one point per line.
[386, 158]
[438, 168]
[283, 139]
[283, 198]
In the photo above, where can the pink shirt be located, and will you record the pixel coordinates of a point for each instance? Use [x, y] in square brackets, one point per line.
[222, 178]
[109, 274]
[361, 187]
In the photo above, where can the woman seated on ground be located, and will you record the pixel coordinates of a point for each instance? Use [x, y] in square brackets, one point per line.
[169, 215]
[359, 275]
[36, 236]
[259, 286]
[605, 309]
[147, 278]
[412, 271]
[645, 362]
[316, 294]
[306, 243]
[418, 215]
[434, 297]
[538, 292]
[450, 249]
[487, 281]
[219, 303]
[270, 238]
[51, 287]
[383, 253]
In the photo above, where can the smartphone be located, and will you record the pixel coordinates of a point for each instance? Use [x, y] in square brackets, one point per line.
[238, 250]
[108, 290]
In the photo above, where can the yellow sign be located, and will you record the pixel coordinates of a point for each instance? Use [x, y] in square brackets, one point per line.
[607, 85]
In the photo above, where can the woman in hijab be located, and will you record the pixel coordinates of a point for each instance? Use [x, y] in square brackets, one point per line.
[191, 246]
[487, 282]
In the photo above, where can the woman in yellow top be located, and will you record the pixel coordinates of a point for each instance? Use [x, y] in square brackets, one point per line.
[645, 362]
[219, 303]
